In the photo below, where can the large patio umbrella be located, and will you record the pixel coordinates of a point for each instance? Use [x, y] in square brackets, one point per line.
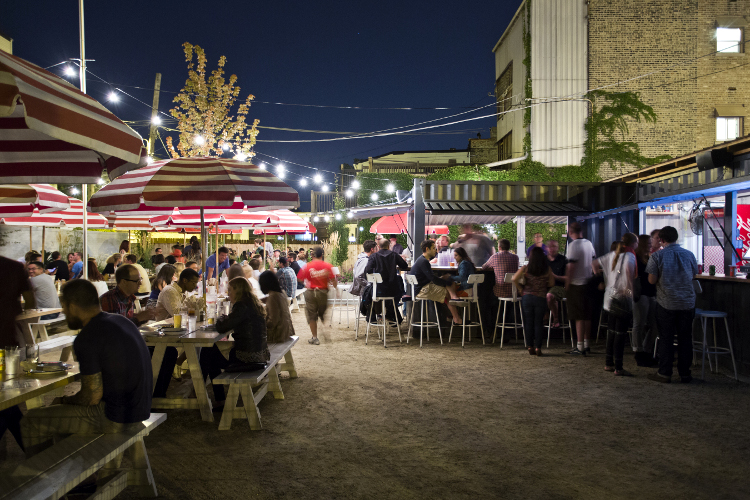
[71, 217]
[391, 224]
[289, 223]
[20, 200]
[200, 185]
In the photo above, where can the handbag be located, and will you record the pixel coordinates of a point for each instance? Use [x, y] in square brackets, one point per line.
[621, 297]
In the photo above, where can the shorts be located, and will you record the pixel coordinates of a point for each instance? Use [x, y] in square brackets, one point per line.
[579, 305]
[558, 292]
[316, 303]
[433, 292]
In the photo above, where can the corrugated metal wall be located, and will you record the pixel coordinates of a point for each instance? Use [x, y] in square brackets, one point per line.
[558, 68]
[603, 231]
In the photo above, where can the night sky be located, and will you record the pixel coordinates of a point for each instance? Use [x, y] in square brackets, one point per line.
[391, 54]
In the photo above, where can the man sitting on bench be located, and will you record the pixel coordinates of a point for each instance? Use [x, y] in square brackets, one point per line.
[116, 375]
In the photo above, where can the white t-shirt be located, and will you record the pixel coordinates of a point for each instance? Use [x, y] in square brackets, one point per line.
[581, 252]
[621, 277]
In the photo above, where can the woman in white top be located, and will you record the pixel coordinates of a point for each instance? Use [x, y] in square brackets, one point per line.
[620, 270]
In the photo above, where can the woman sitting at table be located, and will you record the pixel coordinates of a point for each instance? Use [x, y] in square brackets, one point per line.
[96, 278]
[167, 274]
[278, 318]
[465, 269]
[250, 275]
[248, 323]
[112, 264]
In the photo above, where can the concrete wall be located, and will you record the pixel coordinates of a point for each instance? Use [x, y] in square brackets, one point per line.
[14, 241]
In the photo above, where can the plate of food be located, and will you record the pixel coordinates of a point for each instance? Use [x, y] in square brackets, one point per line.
[174, 331]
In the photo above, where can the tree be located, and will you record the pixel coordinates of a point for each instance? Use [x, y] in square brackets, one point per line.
[341, 252]
[205, 120]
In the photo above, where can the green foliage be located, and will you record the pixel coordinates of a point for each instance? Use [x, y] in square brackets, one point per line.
[607, 129]
[342, 251]
[377, 182]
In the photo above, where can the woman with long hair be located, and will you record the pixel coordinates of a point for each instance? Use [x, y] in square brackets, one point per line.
[96, 277]
[248, 322]
[465, 269]
[278, 318]
[620, 270]
[167, 274]
[538, 279]
[112, 262]
[124, 247]
[644, 310]
[71, 256]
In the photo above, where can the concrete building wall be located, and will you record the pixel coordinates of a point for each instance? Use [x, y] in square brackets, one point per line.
[410, 157]
[510, 49]
[14, 241]
[558, 69]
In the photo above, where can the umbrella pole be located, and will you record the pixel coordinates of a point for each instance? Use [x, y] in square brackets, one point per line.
[205, 248]
[84, 190]
[217, 255]
[43, 259]
[285, 245]
[31, 246]
[265, 251]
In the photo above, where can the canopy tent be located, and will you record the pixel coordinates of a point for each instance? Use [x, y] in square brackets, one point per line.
[21, 200]
[397, 223]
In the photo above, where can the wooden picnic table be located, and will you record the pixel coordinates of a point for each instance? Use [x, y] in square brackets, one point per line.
[29, 316]
[33, 387]
[191, 342]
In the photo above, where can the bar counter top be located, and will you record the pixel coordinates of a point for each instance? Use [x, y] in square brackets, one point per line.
[721, 277]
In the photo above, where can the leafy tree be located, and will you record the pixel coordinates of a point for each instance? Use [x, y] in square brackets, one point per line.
[205, 111]
[340, 253]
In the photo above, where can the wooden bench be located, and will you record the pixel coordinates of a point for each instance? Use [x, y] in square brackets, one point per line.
[39, 330]
[63, 342]
[55, 471]
[253, 386]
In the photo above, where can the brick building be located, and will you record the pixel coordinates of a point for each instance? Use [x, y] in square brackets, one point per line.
[686, 58]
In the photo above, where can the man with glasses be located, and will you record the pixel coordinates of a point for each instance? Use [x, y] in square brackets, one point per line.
[171, 297]
[121, 299]
[45, 292]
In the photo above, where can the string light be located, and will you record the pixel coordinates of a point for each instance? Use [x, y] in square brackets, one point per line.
[316, 219]
[389, 188]
[374, 196]
[349, 193]
[361, 228]
[225, 146]
[318, 178]
[156, 120]
[350, 215]
[262, 166]
[280, 174]
[326, 218]
[303, 182]
[113, 97]
[355, 184]
[241, 156]
[199, 140]
[74, 190]
[338, 216]
[324, 188]
[149, 160]
[100, 181]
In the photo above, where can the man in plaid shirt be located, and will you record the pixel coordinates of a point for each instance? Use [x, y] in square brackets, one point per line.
[287, 278]
[502, 263]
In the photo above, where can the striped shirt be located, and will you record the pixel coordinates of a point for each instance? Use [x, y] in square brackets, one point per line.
[502, 263]
[675, 269]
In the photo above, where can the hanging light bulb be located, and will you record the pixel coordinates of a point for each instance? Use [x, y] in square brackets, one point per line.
[149, 160]
[225, 146]
[316, 219]
[279, 167]
[74, 190]
[262, 166]
[326, 218]
[280, 174]
[349, 193]
[100, 181]
[241, 156]
[303, 182]
[355, 184]
[324, 188]
[199, 140]
[113, 97]
[389, 188]
[338, 216]
[350, 215]
[361, 228]
[374, 196]
[317, 178]
[69, 71]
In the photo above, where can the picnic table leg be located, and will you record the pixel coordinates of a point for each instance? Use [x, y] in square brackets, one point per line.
[141, 474]
[229, 407]
[288, 365]
[273, 383]
[66, 352]
[156, 360]
[251, 409]
[196, 374]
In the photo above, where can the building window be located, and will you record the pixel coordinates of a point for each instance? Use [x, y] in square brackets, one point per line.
[505, 147]
[728, 128]
[504, 89]
[729, 40]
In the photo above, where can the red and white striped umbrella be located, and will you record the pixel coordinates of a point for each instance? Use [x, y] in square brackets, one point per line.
[20, 200]
[219, 185]
[288, 222]
[210, 229]
[179, 220]
[51, 132]
[70, 218]
[128, 222]
[390, 224]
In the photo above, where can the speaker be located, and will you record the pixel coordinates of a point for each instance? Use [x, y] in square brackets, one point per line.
[713, 159]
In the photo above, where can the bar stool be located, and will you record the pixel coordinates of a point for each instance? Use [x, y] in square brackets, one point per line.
[706, 349]
[563, 326]
[422, 324]
[474, 280]
[513, 300]
[344, 301]
[375, 278]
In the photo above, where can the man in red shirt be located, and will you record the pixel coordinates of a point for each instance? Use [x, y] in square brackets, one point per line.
[316, 276]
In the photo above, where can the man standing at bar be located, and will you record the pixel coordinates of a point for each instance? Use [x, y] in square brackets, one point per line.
[581, 254]
[672, 269]
[538, 242]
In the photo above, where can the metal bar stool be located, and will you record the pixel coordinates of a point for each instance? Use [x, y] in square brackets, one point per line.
[422, 324]
[344, 303]
[563, 326]
[513, 300]
[375, 278]
[714, 349]
[474, 280]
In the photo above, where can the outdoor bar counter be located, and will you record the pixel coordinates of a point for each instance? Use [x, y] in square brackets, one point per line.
[732, 296]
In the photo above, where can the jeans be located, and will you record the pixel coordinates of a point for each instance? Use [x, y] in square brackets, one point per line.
[675, 323]
[212, 363]
[644, 324]
[616, 335]
[533, 309]
[165, 372]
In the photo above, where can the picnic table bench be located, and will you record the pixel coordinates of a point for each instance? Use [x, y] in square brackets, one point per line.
[53, 472]
[243, 383]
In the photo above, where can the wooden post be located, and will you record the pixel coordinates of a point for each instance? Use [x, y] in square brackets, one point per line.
[217, 255]
[30, 244]
[43, 231]
[265, 252]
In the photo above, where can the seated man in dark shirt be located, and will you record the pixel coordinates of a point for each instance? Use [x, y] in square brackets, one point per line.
[385, 262]
[116, 376]
[428, 285]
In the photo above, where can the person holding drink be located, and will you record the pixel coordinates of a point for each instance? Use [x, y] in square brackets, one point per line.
[170, 299]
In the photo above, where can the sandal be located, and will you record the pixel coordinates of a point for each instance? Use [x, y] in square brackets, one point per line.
[532, 351]
[556, 324]
[609, 368]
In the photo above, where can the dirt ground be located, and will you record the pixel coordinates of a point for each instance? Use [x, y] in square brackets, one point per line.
[362, 421]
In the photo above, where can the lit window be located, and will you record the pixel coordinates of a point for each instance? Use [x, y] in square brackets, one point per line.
[728, 128]
[728, 39]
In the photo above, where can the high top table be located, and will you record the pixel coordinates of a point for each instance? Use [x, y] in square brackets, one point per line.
[191, 342]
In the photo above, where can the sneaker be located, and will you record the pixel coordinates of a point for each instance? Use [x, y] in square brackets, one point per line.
[656, 377]
[588, 350]
[314, 341]
[623, 373]
[576, 352]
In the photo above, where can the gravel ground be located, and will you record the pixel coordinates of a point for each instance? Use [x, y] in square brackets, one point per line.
[362, 421]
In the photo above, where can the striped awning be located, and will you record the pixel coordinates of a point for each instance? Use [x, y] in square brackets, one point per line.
[20, 200]
[129, 222]
[220, 185]
[52, 132]
[244, 220]
[287, 222]
[70, 218]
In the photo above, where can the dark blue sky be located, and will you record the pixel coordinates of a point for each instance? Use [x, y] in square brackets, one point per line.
[418, 54]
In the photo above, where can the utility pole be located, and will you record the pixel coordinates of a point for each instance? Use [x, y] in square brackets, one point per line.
[154, 116]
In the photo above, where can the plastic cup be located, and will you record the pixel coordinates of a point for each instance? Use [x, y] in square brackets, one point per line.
[12, 359]
[453, 264]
